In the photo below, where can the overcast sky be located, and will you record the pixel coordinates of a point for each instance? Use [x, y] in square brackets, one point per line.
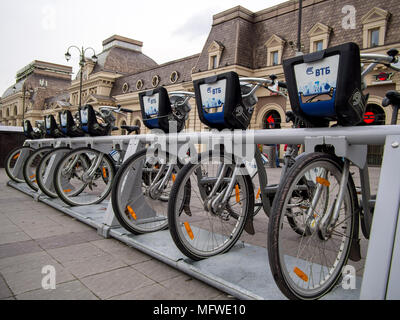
[43, 29]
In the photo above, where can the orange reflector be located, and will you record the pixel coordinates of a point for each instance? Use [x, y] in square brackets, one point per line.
[258, 193]
[189, 230]
[67, 190]
[237, 193]
[300, 274]
[34, 181]
[323, 181]
[16, 156]
[104, 172]
[173, 177]
[32, 176]
[132, 213]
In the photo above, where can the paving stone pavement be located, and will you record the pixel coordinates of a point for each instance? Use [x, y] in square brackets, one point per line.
[89, 267]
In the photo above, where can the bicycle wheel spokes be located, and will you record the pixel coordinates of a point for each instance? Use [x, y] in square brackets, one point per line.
[84, 177]
[310, 259]
[202, 229]
[141, 192]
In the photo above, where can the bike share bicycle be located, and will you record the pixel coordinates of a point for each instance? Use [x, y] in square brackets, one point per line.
[142, 186]
[17, 157]
[319, 189]
[208, 218]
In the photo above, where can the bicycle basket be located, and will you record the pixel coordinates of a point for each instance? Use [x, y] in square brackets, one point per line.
[326, 85]
[219, 102]
[68, 125]
[156, 108]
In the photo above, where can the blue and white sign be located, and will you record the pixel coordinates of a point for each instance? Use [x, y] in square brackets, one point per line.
[213, 95]
[48, 122]
[63, 119]
[151, 104]
[318, 77]
[84, 115]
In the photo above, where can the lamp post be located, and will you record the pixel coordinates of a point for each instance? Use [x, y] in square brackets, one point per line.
[81, 64]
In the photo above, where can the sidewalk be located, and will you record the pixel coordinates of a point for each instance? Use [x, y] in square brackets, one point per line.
[88, 267]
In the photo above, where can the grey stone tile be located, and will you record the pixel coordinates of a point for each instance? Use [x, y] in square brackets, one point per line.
[29, 279]
[5, 291]
[116, 282]
[66, 240]
[93, 265]
[73, 290]
[157, 270]
[18, 248]
[12, 237]
[152, 292]
[187, 288]
[47, 231]
[81, 251]
[130, 256]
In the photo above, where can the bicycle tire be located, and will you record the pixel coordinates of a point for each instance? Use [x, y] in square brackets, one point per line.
[187, 235]
[30, 178]
[153, 209]
[41, 169]
[71, 198]
[282, 241]
[11, 156]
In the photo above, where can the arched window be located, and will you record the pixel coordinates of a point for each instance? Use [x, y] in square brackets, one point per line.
[272, 120]
[15, 110]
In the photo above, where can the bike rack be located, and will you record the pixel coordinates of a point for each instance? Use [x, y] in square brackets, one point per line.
[232, 272]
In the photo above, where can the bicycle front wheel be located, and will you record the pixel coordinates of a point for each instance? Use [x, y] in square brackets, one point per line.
[84, 177]
[31, 165]
[308, 265]
[14, 163]
[199, 229]
[140, 193]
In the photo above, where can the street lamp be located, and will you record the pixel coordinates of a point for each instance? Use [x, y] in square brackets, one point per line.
[81, 64]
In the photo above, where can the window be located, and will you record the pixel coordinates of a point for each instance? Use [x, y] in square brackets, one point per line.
[215, 54]
[214, 64]
[318, 45]
[274, 47]
[374, 37]
[374, 27]
[275, 58]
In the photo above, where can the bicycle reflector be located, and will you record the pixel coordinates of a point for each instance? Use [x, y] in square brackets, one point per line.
[325, 85]
[156, 108]
[219, 102]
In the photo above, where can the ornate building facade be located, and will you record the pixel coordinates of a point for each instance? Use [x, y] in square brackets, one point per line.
[250, 43]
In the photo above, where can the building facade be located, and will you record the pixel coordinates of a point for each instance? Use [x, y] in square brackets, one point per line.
[253, 44]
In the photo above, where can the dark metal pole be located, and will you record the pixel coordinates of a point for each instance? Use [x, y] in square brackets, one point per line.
[299, 26]
[81, 63]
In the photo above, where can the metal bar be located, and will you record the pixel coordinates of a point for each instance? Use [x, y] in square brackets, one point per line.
[386, 215]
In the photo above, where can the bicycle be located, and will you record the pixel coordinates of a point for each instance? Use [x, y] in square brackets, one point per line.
[141, 187]
[320, 192]
[16, 158]
[209, 217]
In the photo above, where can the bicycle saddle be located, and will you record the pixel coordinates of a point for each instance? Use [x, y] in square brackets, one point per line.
[29, 132]
[68, 125]
[392, 97]
[131, 129]
[89, 122]
[52, 128]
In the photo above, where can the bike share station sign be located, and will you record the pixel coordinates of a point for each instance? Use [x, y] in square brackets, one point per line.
[243, 272]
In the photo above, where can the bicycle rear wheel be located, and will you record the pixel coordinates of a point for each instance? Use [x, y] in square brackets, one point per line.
[84, 177]
[308, 265]
[14, 163]
[198, 230]
[140, 193]
[31, 165]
